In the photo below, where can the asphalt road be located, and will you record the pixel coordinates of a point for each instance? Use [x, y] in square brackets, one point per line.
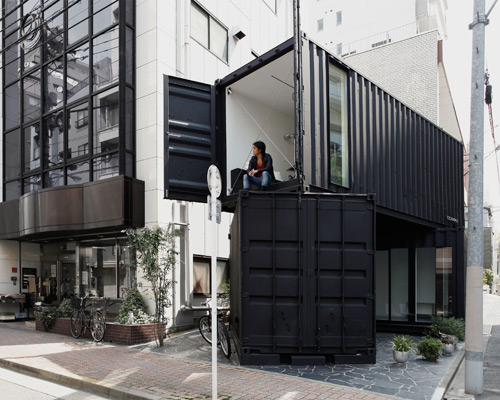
[15, 386]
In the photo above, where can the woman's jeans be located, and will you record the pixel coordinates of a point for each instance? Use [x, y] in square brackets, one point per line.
[254, 180]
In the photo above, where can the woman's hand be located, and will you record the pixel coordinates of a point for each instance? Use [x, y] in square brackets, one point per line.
[252, 172]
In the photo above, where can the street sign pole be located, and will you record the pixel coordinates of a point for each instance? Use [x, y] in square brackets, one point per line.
[214, 186]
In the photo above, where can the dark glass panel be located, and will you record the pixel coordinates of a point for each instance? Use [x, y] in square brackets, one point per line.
[12, 190]
[11, 20]
[31, 6]
[31, 33]
[54, 29]
[53, 153]
[32, 183]
[100, 4]
[14, 51]
[129, 165]
[53, 178]
[31, 58]
[129, 12]
[12, 145]
[106, 57]
[129, 119]
[105, 18]
[106, 166]
[12, 117]
[78, 73]
[31, 94]
[129, 56]
[78, 173]
[106, 120]
[78, 131]
[32, 147]
[78, 12]
[12, 71]
[78, 32]
[54, 85]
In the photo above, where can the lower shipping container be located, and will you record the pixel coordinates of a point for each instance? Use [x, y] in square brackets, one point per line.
[302, 278]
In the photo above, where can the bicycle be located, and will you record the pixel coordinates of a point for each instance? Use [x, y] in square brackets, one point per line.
[205, 327]
[96, 322]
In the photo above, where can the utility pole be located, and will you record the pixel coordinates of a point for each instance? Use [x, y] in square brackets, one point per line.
[474, 288]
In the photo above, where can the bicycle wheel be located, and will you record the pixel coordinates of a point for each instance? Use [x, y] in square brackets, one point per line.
[205, 327]
[98, 326]
[223, 338]
[76, 323]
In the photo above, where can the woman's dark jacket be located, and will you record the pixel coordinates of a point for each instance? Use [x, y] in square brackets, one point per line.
[267, 160]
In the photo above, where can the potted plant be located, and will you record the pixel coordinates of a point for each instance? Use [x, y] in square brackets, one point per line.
[430, 348]
[402, 345]
[448, 344]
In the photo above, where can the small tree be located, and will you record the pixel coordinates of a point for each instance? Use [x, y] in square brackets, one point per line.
[156, 255]
[487, 277]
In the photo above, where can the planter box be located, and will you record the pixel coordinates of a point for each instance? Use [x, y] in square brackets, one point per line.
[115, 333]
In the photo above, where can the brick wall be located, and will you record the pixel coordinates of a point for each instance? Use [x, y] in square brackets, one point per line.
[408, 70]
[115, 333]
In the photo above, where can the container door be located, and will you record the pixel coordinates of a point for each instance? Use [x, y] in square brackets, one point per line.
[189, 112]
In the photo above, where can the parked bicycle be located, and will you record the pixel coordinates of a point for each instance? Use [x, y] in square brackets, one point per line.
[205, 327]
[95, 321]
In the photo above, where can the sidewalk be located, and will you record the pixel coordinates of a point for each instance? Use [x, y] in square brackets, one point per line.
[182, 370]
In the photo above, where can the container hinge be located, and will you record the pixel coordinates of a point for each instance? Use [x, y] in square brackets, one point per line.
[244, 294]
[371, 341]
[244, 249]
[370, 252]
[370, 296]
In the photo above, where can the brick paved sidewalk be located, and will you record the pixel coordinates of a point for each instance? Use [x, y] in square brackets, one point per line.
[127, 373]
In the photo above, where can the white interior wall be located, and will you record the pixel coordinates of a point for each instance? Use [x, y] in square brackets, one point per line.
[244, 119]
[426, 280]
[8, 259]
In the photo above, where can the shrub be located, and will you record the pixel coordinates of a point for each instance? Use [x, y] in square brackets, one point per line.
[134, 306]
[430, 348]
[402, 343]
[451, 326]
[48, 317]
[65, 309]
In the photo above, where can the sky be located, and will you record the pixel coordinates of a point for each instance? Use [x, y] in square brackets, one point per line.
[457, 60]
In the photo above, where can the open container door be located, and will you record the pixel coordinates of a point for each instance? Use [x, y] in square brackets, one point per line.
[190, 145]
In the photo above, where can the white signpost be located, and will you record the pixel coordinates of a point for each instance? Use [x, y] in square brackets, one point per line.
[214, 186]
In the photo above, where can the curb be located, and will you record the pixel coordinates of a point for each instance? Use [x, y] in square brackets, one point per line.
[76, 382]
[445, 383]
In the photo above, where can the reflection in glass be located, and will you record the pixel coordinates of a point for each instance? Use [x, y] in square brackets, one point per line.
[54, 140]
[399, 291]
[54, 85]
[12, 71]
[12, 97]
[98, 263]
[12, 190]
[129, 119]
[31, 58]
[444, 275]
[129, 165]
[32, 183]
[32, 147]
[199, 25]
[77, 78]
[78, 131]
[105, 18]
[13, 52]
[78, 32]
[130, 55]
[53, 178]
[106, 117]
[78, 12]
[425, 265]
[126, 271]
[382, 284]
[11, 20]
[106, 166]
[106, 57]
[31, 96]
[12, 165]
[54, 30]
[218, 40]
[78, 173]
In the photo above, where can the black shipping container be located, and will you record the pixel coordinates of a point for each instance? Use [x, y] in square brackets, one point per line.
[302, 278]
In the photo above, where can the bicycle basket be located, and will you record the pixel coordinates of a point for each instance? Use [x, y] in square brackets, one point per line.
[75, 302]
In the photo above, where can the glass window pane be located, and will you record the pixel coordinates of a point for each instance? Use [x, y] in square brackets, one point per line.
[129, 119]
[78, 131]
[98, 263]
[11, 20]
[12, 190]
[54, 28]
[12, 145]
[129, 12]
[12, 98]
[54, 85]
[78, 12]
[106, 57]
[129, 165]
[12, 71]
[444, 265]
[382, 284]
[201, 276]
[105, 18]
[32, 96]
[129, 57]
[14, 51]
[199, 25]
[78, 173]
[106, 166]
[100, 4]
[425, 265]
[126, 271]
[31, 58]
[78, 73]
[54, 140]
[53, 178]
[78, 32]
[218, 39]
[338, 127]
[399, 284]
[106, 119]
[32, 147]
[32, 183]
[222, 275]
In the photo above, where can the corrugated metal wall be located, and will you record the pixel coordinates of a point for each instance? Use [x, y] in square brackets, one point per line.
[411, 165]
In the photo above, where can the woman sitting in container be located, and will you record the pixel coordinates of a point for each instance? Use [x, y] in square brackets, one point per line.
[260, 168]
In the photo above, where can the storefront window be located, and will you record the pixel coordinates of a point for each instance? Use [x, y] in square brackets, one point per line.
[425, 265]
[338, 126]
[202, 275]
[399, 284]
[382, 284]
[444, 265]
